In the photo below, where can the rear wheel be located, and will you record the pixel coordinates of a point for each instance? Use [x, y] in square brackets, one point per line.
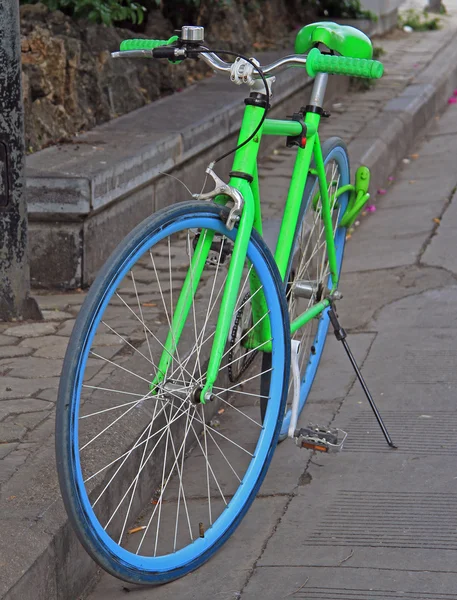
[155, 482]
[309, 274]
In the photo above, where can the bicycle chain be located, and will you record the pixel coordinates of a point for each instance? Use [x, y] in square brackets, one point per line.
[245, 362]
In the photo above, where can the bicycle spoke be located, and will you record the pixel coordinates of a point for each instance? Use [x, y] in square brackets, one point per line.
[238, 410]
[147, 328]
[113, 423]
[137, 444]
[169, 321]
[210, 518]
[137, 475]
[96, 387]
[150, 360]
[141, 315]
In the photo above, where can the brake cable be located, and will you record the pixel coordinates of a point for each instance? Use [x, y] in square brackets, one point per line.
[267, 94]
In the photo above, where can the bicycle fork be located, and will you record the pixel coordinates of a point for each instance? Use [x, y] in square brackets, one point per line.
[228, 302]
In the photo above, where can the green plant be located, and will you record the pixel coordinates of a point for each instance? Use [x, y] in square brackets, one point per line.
[418, 20]
[98, 11]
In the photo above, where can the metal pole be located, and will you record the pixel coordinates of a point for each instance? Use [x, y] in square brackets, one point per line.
[15, 302]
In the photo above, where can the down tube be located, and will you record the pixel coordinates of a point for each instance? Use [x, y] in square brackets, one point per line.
[184, 304]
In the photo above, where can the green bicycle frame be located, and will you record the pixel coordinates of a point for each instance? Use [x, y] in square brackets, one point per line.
[245, 161]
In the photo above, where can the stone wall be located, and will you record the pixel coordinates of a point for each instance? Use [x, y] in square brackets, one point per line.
[71, 84]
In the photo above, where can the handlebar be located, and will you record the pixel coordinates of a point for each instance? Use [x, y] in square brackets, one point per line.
[342, 65]
[315, 62]
[161, 49]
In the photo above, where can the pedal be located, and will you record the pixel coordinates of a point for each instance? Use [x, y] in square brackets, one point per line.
[321, 439]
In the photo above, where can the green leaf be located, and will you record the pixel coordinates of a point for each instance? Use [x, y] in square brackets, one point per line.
[100, 11]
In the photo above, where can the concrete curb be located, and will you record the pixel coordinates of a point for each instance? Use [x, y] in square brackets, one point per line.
[384, 142]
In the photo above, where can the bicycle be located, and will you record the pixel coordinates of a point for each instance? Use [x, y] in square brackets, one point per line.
[193, 323]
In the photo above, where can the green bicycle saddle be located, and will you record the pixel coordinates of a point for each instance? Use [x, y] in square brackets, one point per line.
[346, 40]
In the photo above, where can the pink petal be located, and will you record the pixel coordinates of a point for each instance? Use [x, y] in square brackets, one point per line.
[455, 93]
[371, 208]
[391, 178]
[382, 192]
[452, 100]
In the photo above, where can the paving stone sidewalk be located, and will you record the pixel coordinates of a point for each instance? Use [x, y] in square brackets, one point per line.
[31, 354]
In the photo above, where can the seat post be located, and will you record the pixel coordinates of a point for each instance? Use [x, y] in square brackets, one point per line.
[319, 87]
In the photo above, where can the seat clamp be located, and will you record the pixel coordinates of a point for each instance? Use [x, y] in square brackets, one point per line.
[300, 139]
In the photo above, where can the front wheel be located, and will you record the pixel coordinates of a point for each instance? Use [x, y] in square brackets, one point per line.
[154, 481]
[309, 269]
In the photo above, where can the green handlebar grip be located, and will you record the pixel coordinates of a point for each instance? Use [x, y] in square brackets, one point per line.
[146, 44]
[342, 65]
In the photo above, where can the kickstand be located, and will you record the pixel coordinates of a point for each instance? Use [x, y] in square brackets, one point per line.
[341, 335]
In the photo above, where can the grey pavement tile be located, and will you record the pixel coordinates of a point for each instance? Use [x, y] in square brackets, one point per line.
[6, 340]
[410, 193]
[438, 145]
[54, 350]
[22, 544]
[44, 432]
[429, 310]
[16, 387]
[348, 583]
[29, 420]
[31, 367]
[39, 342]
[413, 356]
[390, 512]
[441, 249]
[366, 292]
[54, 301]
[420, 431]
[430, 165]
[13, 351]
[240, 553]
[56, 315]
[22, 405]
[31, 330]
[66, 328]
[12, 463]
[333, 378]
[11, 432]
[389, 224]
[445, 124]
[6, 448]
[390, 252]
[49, 394]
